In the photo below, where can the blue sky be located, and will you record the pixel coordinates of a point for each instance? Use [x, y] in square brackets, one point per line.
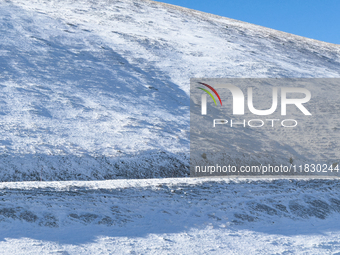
[315, 19]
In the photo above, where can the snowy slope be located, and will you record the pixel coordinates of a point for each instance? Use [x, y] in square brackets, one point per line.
[171, 216]
[100, 89]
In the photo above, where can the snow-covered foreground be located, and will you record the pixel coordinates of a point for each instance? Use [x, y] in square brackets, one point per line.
[171, 216]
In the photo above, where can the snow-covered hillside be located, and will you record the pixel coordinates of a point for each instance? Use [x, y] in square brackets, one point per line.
[100, 89]
[94, 90]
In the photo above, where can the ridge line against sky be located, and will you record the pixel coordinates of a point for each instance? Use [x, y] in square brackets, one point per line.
[314, 19]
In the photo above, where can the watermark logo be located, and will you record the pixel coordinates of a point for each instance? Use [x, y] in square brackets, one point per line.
[239, 99]
[264, 126]
[204, 97]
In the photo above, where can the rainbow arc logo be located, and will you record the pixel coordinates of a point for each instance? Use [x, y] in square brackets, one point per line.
[209, 93]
